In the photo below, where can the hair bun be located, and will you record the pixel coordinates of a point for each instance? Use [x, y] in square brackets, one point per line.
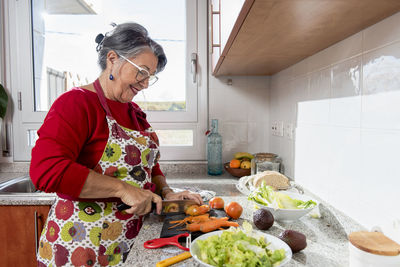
[99, 38]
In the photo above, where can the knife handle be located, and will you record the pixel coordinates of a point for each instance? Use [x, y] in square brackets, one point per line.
[175, 259]
[122, 206]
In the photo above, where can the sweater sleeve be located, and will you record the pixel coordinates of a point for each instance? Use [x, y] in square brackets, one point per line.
[156, 170]
[63, 134]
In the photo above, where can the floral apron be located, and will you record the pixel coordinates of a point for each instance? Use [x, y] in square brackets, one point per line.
[95, 233]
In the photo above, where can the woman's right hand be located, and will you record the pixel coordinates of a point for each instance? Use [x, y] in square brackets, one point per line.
[139, 199]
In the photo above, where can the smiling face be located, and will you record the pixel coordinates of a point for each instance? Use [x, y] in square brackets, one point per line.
[125, 85]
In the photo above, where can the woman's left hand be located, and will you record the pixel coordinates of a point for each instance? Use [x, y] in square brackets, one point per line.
[184, 195]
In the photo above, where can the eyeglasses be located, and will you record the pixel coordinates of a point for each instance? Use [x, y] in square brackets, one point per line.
[143, 74]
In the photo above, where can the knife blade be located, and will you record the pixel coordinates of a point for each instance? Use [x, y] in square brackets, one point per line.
[169, 207]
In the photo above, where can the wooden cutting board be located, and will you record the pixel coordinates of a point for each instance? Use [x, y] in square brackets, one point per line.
[165, 232]
[375, 243]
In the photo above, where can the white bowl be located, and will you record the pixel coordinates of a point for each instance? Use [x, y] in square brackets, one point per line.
[289, 214]
[275, 243]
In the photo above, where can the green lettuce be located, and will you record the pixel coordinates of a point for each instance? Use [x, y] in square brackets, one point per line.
[238, 247]
[265, 195]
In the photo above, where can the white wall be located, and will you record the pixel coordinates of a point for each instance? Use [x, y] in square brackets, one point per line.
[242, 113]
[345, 103]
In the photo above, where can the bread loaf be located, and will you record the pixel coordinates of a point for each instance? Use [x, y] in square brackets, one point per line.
[271, 178]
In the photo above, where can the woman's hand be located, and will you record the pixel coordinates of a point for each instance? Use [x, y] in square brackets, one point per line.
[184, 195]
[139, 199]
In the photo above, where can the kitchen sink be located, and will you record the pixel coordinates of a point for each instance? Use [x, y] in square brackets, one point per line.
[18, 185]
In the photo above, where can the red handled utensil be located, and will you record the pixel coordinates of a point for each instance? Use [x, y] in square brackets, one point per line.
[160, 242]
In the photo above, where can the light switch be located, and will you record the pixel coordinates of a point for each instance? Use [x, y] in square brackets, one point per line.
[288, 130]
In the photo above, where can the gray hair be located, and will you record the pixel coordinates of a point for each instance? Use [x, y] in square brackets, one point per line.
[128, 40]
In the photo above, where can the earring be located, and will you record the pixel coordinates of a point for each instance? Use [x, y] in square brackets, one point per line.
[111, 77]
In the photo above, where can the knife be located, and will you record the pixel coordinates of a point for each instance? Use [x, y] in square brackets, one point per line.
[169, 207]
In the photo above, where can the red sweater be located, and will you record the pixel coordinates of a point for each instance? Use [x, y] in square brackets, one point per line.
[73, 137]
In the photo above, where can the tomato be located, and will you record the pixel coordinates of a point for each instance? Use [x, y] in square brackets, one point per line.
[216, 203]
[234, 210]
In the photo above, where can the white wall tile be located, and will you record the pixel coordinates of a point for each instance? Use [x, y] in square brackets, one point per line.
[242, 111]
[348, 123]
[316, 109]
[311, 154]
[345, 105]
[381, 88]
[234, 138]
[257, 137]
[382, 33]
[380, 174]
[381, 69]
[298, 96]
[287, 155]
[344, 163]
[340, 51]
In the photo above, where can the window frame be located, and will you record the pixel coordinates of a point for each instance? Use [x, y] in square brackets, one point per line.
[20, 61]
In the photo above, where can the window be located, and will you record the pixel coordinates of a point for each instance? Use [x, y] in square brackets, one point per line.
[56, 51]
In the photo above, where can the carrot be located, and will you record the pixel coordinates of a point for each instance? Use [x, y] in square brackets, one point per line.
[216, 224]
[179, 222]
[193, 227]
[201, 218]
[210, 225]
[191, 219]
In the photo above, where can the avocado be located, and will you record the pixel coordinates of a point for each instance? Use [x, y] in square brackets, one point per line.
[263, 219]
[295, 240]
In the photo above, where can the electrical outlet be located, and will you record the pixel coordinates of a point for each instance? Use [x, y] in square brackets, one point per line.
[274, 127]
[279, 130]
[288, 130]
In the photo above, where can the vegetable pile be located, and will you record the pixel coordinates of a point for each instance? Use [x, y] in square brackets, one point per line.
[265, 195]
[239, 247]
[200, 220]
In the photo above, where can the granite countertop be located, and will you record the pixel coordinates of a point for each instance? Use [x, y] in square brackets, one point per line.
[327, 243]
[23, 198]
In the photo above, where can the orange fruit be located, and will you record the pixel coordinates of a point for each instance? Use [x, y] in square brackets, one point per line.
[234, 164]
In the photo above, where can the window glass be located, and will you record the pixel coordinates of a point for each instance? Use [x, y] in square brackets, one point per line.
[175, 137]
[64, 49]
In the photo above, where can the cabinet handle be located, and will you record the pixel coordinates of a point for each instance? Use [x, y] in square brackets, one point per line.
[37, 216]
[194, 66]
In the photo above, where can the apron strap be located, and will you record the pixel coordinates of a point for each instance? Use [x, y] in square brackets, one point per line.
[102, 98]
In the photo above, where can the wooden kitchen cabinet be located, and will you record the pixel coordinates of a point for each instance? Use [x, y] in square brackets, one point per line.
[270, 35]
[223, 17]
[18, 233]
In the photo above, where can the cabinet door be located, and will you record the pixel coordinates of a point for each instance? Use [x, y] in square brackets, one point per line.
[18, 233]
[230, 10]
[224, 14]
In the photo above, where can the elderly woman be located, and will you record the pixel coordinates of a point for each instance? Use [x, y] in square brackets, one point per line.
[97, 150]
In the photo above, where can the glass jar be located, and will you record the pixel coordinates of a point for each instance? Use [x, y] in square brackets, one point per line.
[265, 162]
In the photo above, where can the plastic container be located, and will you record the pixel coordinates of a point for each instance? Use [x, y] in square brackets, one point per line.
[372, 249]
[360, 258]
[214, 150]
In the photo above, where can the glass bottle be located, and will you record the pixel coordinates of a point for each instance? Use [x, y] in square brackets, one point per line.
[214, 150]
